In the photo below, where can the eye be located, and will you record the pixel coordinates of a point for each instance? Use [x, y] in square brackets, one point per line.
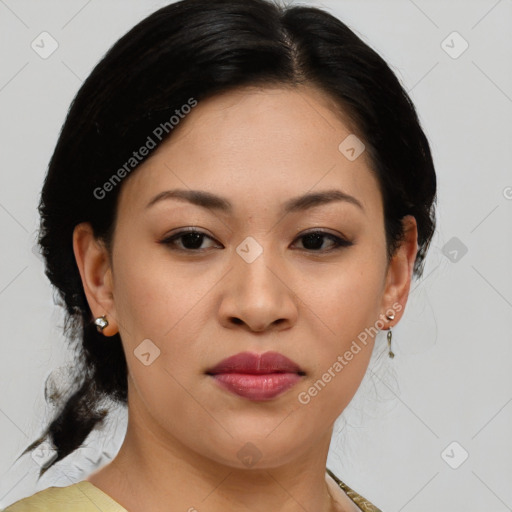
[189, 240]
[313, 241]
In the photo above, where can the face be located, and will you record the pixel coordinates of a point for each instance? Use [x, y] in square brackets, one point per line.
[264, 272]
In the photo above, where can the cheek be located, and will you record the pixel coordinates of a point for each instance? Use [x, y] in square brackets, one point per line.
[158, 311]
[345, 299]
[329, 393]
[346, 310]
[151, 296]
[340, 363]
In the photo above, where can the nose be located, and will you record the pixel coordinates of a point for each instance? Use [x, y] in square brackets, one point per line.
[258, 296]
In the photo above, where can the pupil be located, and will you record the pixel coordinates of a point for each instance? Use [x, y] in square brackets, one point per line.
[195, 239]
[315, 237]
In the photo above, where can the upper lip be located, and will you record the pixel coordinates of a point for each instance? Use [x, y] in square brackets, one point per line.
[256, 364]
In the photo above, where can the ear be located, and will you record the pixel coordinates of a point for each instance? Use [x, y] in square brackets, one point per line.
[400, 268]
[95, 270]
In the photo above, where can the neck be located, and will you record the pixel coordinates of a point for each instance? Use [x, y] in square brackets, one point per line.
[155, 479]
[156, 472]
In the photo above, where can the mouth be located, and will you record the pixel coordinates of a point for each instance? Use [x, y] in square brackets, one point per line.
[257, 377]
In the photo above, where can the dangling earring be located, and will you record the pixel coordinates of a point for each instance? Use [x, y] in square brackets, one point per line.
[101, 322]
[390, 335]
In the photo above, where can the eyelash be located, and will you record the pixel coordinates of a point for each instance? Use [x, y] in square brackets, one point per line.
[339, 243]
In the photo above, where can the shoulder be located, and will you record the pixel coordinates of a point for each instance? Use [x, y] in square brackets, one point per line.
[359, 500]
[78, 497]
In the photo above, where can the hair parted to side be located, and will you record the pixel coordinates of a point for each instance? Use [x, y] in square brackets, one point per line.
[197, 49]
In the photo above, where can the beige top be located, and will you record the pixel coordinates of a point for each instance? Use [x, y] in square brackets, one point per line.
[86, 497]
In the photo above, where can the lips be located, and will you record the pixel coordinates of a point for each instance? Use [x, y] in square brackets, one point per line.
[256, 377]
[256, 364]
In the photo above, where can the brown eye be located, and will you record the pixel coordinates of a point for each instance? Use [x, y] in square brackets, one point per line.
[314, 241]
[189, 240]
[192, 240]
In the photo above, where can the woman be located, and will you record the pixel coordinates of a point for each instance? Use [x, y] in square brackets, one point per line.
[236, 206]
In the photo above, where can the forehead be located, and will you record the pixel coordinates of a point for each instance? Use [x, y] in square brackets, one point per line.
[251, 115]
[250, 142]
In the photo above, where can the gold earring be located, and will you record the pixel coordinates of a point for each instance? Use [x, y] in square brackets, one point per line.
[101, 322]
[390, 335]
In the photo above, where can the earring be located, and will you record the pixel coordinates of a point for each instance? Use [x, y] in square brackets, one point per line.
[390, 335]
[101, 322]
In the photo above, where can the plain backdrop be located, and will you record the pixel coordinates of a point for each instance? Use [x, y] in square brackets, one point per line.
[429, 430]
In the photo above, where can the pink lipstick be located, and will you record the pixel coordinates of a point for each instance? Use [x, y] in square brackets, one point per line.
[257, 377]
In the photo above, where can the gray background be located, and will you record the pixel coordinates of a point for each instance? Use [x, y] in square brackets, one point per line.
[450, 380]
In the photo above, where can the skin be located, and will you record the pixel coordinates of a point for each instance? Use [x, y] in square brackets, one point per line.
[257, 147]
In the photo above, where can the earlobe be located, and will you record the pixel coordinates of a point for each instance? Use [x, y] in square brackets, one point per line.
[93, 263]
[400, 269]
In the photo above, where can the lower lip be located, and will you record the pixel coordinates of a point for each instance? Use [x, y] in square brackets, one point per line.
[257, 387]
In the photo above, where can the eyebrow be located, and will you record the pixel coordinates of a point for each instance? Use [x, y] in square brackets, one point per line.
[215, 202]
